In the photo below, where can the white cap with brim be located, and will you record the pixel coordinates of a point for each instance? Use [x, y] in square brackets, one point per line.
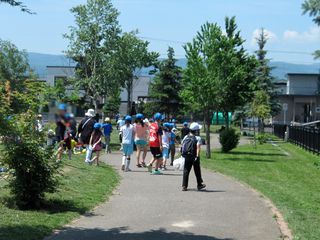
[90, 113]
[195, 126]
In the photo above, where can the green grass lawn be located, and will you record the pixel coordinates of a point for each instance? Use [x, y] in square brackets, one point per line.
[82, 188]
[291, 181]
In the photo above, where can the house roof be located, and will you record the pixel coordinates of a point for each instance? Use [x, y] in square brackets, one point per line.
[304, 74]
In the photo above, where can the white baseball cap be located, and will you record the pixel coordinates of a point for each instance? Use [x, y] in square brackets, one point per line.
[90, 113]
[195, 126]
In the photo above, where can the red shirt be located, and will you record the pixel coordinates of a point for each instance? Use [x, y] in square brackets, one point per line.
[154, 132]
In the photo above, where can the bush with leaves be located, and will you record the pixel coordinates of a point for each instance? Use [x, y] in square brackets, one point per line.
[32, 164]
[33, 172]
[229, 139]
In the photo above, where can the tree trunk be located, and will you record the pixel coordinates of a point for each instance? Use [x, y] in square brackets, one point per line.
[208, 142]
[226, 117]
[129, 98]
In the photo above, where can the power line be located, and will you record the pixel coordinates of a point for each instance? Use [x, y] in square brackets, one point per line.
[181, 42]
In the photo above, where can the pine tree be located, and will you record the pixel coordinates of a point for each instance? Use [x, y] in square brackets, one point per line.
[166, 86]
[265, 80]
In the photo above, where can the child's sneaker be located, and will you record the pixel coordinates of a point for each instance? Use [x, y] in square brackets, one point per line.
[122, 167]
[149, 168]
[156, 172]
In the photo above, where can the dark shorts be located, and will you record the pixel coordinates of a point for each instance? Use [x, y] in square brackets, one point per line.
[156, 152]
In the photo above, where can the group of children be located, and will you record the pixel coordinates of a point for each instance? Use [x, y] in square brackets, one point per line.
[144, 133]
[153, 134]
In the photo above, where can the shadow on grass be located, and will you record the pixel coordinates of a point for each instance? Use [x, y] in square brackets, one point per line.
[249, 160]
[122, 234]
[51, 206]
[258, 154]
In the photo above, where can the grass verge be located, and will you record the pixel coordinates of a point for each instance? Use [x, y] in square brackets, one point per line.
[286, 174]
[82, 188]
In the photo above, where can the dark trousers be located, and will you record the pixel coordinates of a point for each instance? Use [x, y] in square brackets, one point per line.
[189, 162]
[172, 152]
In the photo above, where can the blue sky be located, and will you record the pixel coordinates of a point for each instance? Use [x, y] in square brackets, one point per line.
[173, 20]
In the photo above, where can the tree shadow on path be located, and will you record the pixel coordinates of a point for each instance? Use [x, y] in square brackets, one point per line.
[122, 233]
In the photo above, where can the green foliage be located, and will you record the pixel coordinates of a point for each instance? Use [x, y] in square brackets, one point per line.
[92, 44]
[112, 104]
[229, 139]
[33, 168]
[312, 7]
[165, 88]
[131, 55]
[262, 138]
[260, 106]
[33, 172]
[264, 79]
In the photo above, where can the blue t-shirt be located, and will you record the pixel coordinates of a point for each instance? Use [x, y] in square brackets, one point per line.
[107, 129]
[172, 138]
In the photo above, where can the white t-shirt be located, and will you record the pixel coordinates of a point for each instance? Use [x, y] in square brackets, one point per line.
[121, 122]
[165, 139]
[127, 134]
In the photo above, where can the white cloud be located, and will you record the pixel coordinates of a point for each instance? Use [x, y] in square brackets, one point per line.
[272, 37]
[313, 35]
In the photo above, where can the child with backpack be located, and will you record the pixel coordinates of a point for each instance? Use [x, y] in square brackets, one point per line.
[191, 146]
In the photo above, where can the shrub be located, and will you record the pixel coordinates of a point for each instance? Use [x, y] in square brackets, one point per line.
[34, 171]
[262, 138]
[229, 139]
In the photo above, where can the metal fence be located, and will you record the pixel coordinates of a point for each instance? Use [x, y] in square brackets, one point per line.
[305, 137]
[279, 130]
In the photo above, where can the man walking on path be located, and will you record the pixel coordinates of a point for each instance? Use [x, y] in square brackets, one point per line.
[85, 130]
[127, 133]
[191, 145]
[155, 142]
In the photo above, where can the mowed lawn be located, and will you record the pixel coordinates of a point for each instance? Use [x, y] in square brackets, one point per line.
[288, 175]
[82, 188]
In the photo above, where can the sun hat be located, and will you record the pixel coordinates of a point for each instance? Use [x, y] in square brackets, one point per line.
[174, 129]
[139, 116]
[195, 126]
[90, 113]
[62, 107]
[107, 119]
[97, 126]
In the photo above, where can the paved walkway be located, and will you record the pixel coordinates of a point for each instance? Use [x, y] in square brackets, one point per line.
[149, 207]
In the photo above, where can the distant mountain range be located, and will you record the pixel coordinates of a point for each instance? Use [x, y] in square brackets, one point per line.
[39, 61]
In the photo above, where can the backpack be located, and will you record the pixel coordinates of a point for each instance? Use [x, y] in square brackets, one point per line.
[189, 146]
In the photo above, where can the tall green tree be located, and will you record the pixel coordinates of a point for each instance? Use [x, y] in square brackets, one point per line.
[264, 80]
[165, 88]
[219, 72]
[92, 44]
[235, 71]
[312, 7]
[200, 76]
[132, 55]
